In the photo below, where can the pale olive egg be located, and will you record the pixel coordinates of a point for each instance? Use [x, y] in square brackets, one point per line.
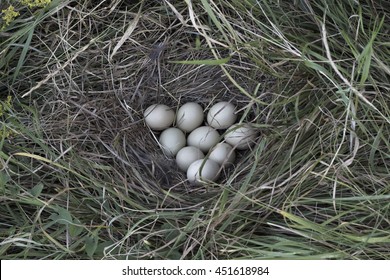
[204, 138]
[203, 170]
[172, 140]
[189, 116]
[240, 136]
[223, 154]
[221, 115]
[159, 116]
[188, 155]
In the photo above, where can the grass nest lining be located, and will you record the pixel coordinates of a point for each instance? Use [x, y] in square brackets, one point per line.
[83, 177]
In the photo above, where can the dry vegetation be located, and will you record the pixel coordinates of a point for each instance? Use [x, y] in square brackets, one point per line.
[81, 176]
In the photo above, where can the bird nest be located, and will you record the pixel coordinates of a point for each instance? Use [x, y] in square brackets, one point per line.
[99, 93]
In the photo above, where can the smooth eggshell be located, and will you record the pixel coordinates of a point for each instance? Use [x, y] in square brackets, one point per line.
[203, 170]
[240, 136]
[159, 116]
[172, 140]
[189, 116]
[188, 155]
[204, 138]
[221, 115]
[223, 154]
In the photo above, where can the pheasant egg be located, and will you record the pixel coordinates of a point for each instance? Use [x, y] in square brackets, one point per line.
[159, 116]
[223, 154]
[188, 155]
[172, 140]
[202, 170]
[221, 115]
[189, 116]
[204, 138]
[240, 136]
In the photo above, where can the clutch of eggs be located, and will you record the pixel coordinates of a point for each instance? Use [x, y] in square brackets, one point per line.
[206, 150]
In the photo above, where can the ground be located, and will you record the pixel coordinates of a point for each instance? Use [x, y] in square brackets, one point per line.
[82, 176]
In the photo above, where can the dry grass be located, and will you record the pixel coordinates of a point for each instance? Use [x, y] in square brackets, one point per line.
[83, 177]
